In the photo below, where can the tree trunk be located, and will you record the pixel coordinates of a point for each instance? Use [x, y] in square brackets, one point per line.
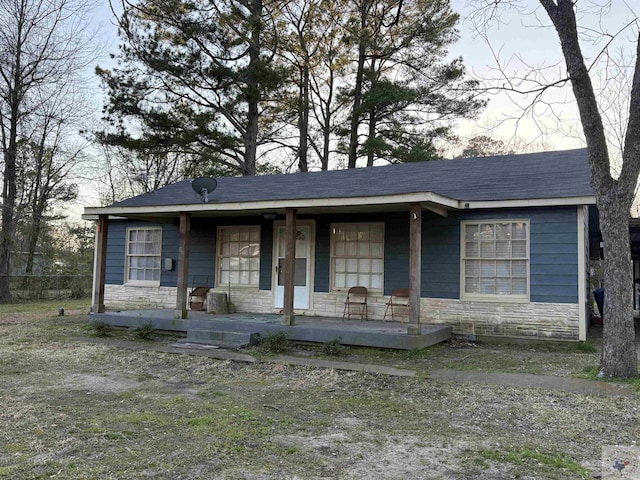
[9, 189]
[31, 251]
[34, 233]
[371, 136]
[303, 119]
[618, 355]
[326, 126]
[613, 197]
[253, 91]
[357, 90]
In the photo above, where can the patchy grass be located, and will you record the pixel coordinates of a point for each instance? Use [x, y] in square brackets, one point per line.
[525, 456]
[586, 347]
[78, 410]
[591, 372]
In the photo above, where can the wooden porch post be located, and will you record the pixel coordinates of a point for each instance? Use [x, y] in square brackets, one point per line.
[415, 264]
[183, 265]
[99, 268]
[288, 318]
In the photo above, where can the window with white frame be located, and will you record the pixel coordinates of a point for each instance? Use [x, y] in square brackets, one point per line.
[357, 255]
[144, 249]
[495, 259]
[239, 255]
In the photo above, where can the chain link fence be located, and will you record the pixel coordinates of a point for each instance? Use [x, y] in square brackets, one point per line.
[50, 286]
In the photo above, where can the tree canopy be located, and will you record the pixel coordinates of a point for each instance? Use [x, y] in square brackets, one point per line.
[230, 82]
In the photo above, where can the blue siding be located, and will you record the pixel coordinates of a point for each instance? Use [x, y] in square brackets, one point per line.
[440, 271]
[202, 254]
[266, 255]
[114, 271]
[322, 261]
[170, 244]
[396, 253]
[202, 250]
[553, 250]
[116, 248]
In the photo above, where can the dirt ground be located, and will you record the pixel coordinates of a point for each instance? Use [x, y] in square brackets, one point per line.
[76, 410]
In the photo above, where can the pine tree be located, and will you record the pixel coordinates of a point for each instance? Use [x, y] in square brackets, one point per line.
[194, 78]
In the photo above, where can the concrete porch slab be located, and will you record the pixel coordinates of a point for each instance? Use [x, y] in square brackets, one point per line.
[307, 329]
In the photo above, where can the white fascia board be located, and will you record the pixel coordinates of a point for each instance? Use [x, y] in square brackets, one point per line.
[407, 198]
[429, 200]
[94, 216]
[532, 202]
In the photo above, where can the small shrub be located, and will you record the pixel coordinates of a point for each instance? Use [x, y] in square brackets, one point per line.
[418, 352]
[333, 348]
[275, 342]
[144, 331]
[77, 288]
[586, 347]
[591, 371]
[101, 329]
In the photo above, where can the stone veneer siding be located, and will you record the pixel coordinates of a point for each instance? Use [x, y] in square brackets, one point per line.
[534, 320]
[137, 297]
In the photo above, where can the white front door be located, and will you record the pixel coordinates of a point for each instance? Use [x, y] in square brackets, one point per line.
[302, 280]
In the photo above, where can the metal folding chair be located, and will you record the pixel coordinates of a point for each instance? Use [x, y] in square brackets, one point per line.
[399, 298]
[356, 303]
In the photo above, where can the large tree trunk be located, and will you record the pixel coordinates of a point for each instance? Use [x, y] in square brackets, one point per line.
[326, 126]
[8, 208]
[253, 91]
[613, 196]
[618, 356]
[357, 89]
[9, 189]
[303, 118]
[371, 136]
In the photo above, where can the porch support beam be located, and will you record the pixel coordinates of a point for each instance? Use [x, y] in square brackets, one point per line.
[100, 263]
[415, 262]
[183, 265]
[288, 318]
[442, 211]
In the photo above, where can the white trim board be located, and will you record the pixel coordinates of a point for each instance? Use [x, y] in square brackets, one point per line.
[430, 200]
[582, 277]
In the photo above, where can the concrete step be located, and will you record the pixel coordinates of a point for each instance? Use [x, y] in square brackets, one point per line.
[222, 338]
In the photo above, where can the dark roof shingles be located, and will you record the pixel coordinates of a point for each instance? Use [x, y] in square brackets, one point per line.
[512, 177]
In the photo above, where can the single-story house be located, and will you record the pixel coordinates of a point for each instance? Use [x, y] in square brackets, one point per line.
[493, 246]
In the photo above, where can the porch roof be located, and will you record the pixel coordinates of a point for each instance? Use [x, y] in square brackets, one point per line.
[536, 179]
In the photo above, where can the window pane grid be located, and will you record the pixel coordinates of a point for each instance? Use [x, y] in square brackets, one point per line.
[144, 248]
[357, 255]
[239, 256]
[495, 258]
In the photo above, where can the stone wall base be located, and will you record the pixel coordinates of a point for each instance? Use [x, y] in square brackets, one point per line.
[125, 297]
[539, 321]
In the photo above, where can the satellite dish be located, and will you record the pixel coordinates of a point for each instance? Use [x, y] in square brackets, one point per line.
[203, 186]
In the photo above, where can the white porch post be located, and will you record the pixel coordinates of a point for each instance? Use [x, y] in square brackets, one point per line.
[100, 263]
[288, 317]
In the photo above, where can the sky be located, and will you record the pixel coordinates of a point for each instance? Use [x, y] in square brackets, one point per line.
[520, 40]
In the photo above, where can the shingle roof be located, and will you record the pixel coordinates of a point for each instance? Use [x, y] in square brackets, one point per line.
[558, 174]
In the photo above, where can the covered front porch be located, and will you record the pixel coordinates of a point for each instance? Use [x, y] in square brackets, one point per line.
[279, 277]
[241, 329]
